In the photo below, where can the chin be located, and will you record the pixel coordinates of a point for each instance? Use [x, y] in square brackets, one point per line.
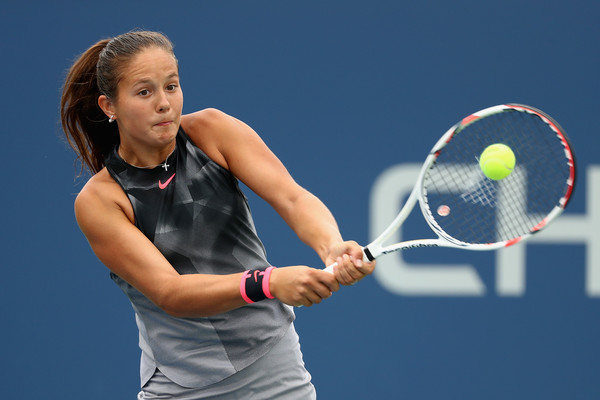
[168, 133]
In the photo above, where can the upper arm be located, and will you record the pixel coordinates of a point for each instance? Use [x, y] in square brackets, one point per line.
[238, 148]
[118, 243]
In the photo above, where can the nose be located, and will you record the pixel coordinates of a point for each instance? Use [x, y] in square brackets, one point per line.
[162, 103]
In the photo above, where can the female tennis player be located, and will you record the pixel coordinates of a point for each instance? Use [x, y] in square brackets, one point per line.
[164, 213]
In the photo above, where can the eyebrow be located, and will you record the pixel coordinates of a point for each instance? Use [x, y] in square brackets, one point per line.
[148, 80]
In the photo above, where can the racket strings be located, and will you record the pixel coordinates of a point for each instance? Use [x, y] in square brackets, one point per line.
[479, 210]
[483, 192]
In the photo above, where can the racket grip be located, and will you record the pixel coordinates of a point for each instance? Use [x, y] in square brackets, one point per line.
[329, 268]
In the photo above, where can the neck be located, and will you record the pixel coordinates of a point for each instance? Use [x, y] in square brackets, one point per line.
[148, 161]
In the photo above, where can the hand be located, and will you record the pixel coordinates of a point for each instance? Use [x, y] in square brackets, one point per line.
[301, 285]
[350, 267]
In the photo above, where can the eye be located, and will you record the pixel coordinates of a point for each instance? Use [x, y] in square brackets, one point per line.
[144, 92]
[172, 87]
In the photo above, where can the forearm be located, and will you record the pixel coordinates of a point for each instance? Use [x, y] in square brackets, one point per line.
[199, 295]
[314, 224]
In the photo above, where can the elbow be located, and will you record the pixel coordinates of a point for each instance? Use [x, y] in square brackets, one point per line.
[173, 303]
[171, 308]
[168, 299]
[180, 297]
[183, 311]
[165, 303]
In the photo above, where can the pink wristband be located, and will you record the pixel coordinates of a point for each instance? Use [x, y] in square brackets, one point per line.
[254, 285]
[266, 286]
[246, 275]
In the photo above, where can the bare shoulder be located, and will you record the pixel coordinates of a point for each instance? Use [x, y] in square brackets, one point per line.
[207, 118]
[212, 131]
[209, 124]
[99, 189]
[100, 196]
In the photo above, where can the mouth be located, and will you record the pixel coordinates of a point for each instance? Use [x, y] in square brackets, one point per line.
[164, 123]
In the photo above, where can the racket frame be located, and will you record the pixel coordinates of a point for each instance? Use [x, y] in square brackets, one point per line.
[376, 247]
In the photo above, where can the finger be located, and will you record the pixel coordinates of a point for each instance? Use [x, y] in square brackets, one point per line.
[316, 296]
[303, 303]
[319, 289]
[368, 268]
[342, 274]
[353, 268]
[329, 280]
[323, 291]
[356, 253]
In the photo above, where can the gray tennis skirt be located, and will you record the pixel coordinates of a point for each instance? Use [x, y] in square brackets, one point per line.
[280, 374]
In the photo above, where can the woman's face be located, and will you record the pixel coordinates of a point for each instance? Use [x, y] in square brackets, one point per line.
[149, 99]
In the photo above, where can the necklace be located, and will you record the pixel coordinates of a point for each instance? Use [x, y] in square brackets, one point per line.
[162, 165]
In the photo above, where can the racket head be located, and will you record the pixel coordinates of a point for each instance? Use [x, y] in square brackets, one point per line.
[466, 208]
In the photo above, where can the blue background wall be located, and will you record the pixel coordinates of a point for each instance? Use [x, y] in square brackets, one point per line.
[341, 91]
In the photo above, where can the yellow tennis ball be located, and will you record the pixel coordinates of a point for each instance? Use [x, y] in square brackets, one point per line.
[497, 161]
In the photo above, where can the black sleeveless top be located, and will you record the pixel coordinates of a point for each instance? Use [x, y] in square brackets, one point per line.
[193, 211]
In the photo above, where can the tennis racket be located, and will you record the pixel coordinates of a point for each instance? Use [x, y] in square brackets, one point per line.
[466, 209]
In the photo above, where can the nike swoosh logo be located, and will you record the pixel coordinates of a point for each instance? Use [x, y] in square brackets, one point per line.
[164, 185]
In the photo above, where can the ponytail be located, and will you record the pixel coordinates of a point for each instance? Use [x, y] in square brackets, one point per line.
[85, 124]
[95, 73]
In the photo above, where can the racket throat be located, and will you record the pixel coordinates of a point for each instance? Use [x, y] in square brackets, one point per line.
[368, 255]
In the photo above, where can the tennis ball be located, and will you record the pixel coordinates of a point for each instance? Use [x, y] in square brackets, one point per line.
[497, 161]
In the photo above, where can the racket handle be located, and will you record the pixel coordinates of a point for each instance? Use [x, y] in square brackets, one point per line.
[329, 268]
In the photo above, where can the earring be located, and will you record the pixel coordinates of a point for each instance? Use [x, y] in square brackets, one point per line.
[111, 119]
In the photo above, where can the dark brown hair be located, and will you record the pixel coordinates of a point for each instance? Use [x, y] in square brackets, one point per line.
[98, 72]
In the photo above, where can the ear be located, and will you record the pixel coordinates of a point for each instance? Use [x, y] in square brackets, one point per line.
[106, 105]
